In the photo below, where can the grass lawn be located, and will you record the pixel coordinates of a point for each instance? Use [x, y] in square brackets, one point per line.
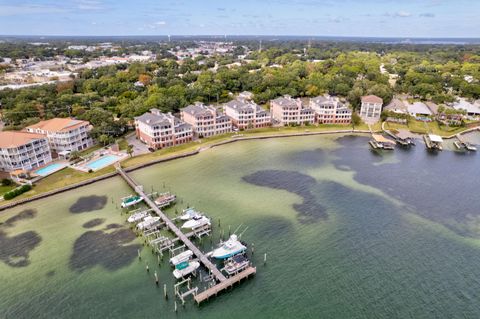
[64, 177]
[423, 128]
[90, 149]
[5, 189]
[122, 144]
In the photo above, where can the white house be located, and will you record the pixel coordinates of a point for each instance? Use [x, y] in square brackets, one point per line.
[371, 109]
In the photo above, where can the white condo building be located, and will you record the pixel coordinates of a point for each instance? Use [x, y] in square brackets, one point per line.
[64, 134]
[23, 151]
[330, 110]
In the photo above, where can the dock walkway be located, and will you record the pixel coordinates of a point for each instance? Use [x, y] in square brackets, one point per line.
[201, 256]
[213, 291]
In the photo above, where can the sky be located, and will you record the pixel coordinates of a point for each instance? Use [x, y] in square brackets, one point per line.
[364, 18]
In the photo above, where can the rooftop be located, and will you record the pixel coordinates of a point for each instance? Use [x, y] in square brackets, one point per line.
[58, 124]
[10, 139]
[465, 105]
[418, 108]
[372, 99]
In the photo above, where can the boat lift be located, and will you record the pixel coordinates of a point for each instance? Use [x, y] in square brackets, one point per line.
[189, 291]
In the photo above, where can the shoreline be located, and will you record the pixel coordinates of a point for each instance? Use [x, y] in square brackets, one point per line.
[167, 159]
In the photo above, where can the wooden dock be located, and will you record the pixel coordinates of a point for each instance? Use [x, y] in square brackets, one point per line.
[180, 235]
[213, 291]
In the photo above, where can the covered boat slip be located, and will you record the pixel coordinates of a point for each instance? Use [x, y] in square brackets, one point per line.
[433, 142]
[380, 142]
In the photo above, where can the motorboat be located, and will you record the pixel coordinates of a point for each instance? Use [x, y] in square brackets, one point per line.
[185, 268]
[196, 222]
[229, 248]
[131, 200]
[148, 222]
[182, 257]
[189, 213]
[236, 264]
[138, 216]
[165, 199]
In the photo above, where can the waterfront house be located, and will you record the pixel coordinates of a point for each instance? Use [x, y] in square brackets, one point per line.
[371, 109]
[330, 110]
[159, 130]
[472, 109]
[206, 120]
[397, 106]
[247, 114]
[64, 134]
[287, 111]
[418, 109]
[23, 151]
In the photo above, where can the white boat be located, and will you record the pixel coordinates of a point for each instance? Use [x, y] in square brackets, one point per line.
[189, 213]
[182, 257]
[196, 221]
[185, 268]
[229, 248]
[148, 222]
[137, 217]
[130, 201]
[236, 264]
[165, 199]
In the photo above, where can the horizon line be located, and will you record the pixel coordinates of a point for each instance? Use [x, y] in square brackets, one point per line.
[240, 35]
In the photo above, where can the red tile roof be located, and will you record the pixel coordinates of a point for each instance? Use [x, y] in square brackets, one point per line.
[11, 139]
[58, 125]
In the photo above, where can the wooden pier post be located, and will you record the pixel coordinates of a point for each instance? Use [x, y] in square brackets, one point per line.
[139, 256]
[229, 227]
[165, 291]
[265, 259]
[175, 306]
[146, 267]
[158, 258]
[253, 248]
[156, 278]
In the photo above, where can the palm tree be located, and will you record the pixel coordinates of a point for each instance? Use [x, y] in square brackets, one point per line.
[130, 150]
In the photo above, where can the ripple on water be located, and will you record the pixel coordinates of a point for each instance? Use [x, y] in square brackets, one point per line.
[107, 249]
[88, 204]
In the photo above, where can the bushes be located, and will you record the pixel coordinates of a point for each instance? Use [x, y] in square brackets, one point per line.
[17, 191]
[6, 182]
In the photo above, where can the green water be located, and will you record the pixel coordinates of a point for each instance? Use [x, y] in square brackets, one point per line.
[348, 234]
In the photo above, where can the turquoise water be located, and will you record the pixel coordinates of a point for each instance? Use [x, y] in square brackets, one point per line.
[49, 169]
[102, 162]
[348, 234]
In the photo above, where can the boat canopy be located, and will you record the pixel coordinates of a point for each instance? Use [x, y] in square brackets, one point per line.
[435, 138]
[380, 139]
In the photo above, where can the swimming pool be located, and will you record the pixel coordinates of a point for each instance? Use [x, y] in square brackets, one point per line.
[102, 162]
[49, 169]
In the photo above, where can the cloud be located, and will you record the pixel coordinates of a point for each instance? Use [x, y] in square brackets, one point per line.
[160, 23]
[427, 15]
